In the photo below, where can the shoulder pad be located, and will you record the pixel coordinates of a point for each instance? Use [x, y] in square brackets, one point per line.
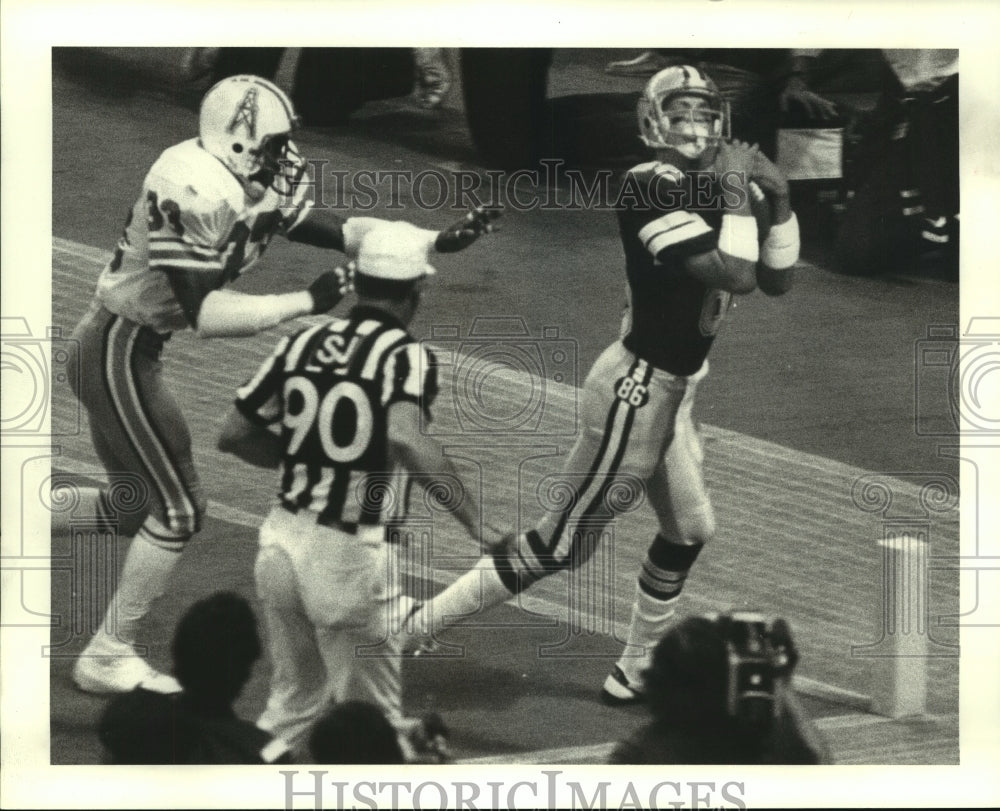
[656, 170]
[196, 174]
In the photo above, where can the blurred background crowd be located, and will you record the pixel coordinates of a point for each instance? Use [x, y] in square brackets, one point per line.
[868, 137]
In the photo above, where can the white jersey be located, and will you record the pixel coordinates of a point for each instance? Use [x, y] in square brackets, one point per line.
[192, 216]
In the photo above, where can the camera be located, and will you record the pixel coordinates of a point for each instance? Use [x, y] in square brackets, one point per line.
[498, 379]
[32, 369]
[953, 387]
[758, 654]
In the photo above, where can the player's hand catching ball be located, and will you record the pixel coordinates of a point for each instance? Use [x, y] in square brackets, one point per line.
[330, 287]
[769, 177]
[462, 234]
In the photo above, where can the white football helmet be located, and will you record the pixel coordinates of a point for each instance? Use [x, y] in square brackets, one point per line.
[246, 122]
[662, 89]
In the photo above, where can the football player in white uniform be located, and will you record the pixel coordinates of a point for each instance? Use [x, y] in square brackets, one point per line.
[207, 210]
[684, 259]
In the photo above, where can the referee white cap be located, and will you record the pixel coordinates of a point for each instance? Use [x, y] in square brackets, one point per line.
[396, 251]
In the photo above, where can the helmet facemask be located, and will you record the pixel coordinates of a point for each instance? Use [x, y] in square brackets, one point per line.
[690, 125]
[281, 165]
[681, 111]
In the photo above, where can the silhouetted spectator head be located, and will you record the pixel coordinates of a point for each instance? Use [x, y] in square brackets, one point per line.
[214, 648]
[355, 732]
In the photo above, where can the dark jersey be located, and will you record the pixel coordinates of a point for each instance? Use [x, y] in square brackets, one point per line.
[330, 387]
[673, 318]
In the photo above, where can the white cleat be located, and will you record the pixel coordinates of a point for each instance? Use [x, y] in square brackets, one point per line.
[120, 673]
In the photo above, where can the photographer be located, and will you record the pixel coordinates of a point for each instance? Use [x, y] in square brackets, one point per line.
[719, 693]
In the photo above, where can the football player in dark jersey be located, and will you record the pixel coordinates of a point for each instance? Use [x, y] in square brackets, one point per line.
[706, 219]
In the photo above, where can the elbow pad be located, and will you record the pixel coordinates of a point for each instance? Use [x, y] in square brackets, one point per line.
[226, 313]
[355, 230]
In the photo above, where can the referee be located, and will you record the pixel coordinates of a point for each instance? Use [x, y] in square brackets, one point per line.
[348, 396]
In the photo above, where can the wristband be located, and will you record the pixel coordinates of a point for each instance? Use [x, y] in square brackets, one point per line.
[781, 248]
[738, 237]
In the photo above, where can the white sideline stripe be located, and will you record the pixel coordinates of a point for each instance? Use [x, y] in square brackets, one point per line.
[599, 752]
[566, 392]
[78, 249]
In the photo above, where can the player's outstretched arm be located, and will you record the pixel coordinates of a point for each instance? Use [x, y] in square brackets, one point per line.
[327, 230]
[214, 313]
[249, 441]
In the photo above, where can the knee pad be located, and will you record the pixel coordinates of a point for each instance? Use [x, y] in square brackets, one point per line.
[672, 555]
[666, 566]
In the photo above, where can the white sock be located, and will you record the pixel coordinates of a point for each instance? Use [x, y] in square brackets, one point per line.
[650, 620]
[143, 578]
[478, 589]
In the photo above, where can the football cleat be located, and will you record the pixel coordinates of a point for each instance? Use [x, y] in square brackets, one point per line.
[618, 690]
[120, 674]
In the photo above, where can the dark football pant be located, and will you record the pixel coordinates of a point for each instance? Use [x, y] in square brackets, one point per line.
[638, 442]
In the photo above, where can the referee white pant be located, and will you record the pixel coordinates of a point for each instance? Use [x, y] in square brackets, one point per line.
[328, 598]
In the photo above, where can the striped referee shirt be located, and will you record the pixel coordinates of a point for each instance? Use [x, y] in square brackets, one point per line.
[330, 387]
